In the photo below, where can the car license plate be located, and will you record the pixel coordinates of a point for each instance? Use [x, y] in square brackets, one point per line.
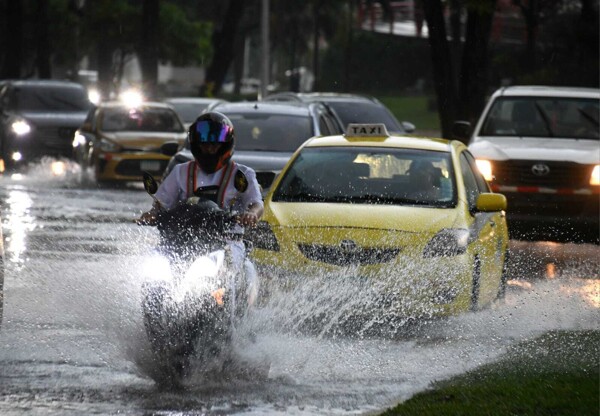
[152, 165]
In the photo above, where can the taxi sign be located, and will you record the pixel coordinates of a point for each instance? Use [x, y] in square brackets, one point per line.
[366, 130]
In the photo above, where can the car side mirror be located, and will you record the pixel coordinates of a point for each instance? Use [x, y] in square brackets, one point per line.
[408, 127]
[461, 131]
[490, 202]
[169, 148]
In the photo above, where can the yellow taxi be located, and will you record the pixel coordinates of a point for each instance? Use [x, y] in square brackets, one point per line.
[118, 141]
[410, 217]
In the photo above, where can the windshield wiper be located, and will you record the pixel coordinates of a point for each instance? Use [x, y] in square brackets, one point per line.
[545, 118]
[589, 117]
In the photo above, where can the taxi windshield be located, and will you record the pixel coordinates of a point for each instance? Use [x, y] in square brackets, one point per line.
[140, 119]
[369, 175]
[575, 118]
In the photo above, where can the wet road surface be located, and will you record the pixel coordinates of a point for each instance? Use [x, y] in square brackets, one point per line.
[72, 340]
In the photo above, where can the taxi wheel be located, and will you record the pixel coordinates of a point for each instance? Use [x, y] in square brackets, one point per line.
[476, 283]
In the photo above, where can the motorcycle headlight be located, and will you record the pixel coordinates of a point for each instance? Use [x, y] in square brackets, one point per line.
[20, 127]
[485, 167]
[448, 242]
[595, 177]
[157, 268]
[108, 146]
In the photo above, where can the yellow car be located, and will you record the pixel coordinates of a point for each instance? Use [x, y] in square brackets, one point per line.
[117, 142]
[410, 220]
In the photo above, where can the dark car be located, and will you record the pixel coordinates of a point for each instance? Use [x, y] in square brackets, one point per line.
[39, 118]
[350, 108]
[118, 142]
[268, 133]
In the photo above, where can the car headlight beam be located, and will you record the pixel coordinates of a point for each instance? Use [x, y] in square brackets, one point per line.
[447, 243]
[21, 127]
[595, 177]
[485, 167]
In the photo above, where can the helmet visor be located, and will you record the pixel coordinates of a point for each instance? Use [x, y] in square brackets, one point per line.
[211, 132]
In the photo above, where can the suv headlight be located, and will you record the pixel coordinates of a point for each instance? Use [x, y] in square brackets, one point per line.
[447, 242]
[108, 146]
[20, 127]
[595, 177]
[485, 167]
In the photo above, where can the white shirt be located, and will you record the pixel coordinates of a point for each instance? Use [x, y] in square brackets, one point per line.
[174, 187]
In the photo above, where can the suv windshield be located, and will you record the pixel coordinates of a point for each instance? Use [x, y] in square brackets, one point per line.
[369, 175]
[543, 117]
[270, 132]
[51, 99]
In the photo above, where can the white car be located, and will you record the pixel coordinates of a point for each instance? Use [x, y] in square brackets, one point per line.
[540, 147]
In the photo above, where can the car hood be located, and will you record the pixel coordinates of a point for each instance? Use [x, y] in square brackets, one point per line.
[527, 148]
[364, 216]
[144, 139]
[258, 160]
[54, 119]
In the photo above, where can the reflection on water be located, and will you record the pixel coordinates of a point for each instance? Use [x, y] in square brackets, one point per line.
[550, 260]
[18, 222]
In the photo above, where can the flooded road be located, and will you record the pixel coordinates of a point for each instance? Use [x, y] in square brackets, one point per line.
[72, 339]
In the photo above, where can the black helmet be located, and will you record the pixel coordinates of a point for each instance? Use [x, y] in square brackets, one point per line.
[216, 128]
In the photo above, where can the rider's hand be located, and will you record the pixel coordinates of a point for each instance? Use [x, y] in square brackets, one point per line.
[147, 218]
[248, 219]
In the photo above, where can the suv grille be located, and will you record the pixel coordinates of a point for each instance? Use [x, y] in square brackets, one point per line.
[559, 175]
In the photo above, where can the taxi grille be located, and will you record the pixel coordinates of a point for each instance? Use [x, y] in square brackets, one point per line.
[343, 257]
[560, 174]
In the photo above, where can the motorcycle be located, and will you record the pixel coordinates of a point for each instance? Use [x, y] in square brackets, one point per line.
[195, 297]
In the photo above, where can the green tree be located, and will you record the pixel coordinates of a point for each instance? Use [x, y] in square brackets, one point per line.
[460, 93]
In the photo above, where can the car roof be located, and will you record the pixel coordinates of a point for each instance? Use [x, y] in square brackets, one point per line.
[202, 100]
[548, 91]
[385, 140]
[41, 83]
[323, 96]
[272, 107]
[154, 104]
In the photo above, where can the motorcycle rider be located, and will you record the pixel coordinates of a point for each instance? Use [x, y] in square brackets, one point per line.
[231, 185]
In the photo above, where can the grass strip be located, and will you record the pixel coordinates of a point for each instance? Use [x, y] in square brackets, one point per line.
[555, 374]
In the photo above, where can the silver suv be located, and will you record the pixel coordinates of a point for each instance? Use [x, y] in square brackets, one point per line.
[540, 147]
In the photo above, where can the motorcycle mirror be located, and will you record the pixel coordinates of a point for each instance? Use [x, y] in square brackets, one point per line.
[150, 184]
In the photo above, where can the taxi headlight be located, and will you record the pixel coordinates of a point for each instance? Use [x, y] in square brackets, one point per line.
[595, 177]
[108, 146]
[485, 167]
[263, 237]
[446, 243]
[20, 127]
